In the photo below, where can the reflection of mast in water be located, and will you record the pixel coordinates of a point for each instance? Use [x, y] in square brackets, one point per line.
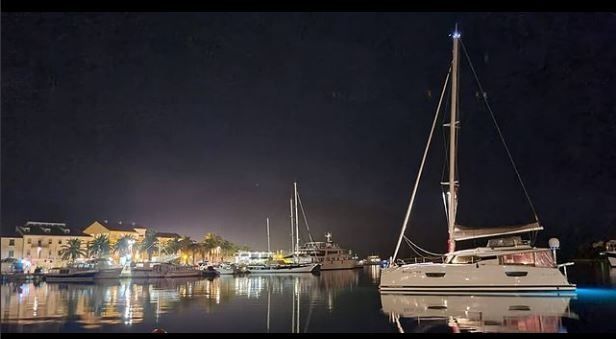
[269, 295]
[295, 320]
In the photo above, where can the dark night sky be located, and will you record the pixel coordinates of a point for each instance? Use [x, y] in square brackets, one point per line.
[200, 122]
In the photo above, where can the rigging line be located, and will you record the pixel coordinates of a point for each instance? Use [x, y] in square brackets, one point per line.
[413, 248]
[422, 249]
[445, 143]
[500, 134]
[301, 205]
[423, 161]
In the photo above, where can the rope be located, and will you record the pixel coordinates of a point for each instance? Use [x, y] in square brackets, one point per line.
[412, 247]
[422, 249]
[500, 134]
[423, 161]
[304, 215]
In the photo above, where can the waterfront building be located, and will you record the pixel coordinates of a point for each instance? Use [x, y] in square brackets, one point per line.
[39, 244]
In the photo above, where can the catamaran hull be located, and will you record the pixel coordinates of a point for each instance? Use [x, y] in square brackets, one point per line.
[448, 278]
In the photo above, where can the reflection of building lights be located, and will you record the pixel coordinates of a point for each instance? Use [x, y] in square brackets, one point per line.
[35, 306]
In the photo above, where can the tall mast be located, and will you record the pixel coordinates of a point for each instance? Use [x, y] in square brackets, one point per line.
[296, 219]
[453, 125]
[268, 237]
[292, 226]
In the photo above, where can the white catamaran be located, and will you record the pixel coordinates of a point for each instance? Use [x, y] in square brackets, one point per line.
[504, 265]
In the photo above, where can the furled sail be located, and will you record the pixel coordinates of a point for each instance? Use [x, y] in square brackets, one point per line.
[465, 232]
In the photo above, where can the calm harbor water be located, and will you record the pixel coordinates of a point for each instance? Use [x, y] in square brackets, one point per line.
[334, 301]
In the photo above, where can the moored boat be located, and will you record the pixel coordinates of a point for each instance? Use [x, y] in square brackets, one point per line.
[329, 254]
[70, 274]
[505, 265]
[610, 252]
[372, 260]
[162, 270]
[176, 271]
[105, 268]
[231, 269]
[284, 269]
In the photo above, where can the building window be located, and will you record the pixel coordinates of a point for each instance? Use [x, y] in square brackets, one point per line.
[28, 253]
[49, 241]
[59, 253]
[29, 241]
[59, 242]
[11, 253]
[49, 256]
[40, 242]
[11, 243]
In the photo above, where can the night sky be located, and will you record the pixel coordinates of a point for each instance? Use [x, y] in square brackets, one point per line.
[200, 122]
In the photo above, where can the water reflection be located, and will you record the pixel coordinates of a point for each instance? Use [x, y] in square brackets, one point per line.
[146, 304]
[374, 272]
[428, 313]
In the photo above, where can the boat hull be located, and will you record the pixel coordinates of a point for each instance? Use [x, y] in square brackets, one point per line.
[611, 257]
[86, 276]
[226, 271]
[453, 278]
[183, 274]
[314, 268]
[108, 273]
[151, 274]
[144, 273]
[328, 265]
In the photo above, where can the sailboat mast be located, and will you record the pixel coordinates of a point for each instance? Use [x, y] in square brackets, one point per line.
[292, 226]
[453, 125]
[268, 236]
[296, 220]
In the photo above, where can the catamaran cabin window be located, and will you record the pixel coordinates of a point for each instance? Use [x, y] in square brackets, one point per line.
[526, 258]
[464, 259]
[544, 259]
[539, 259]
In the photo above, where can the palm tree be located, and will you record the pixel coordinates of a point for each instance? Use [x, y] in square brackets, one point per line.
[172, 246]
[72, 250]
[211, 241]
[123, 245]
[202, 249]
[186, 246]
[194, 247]
[99, 246]
[227, 247]
[149, 243]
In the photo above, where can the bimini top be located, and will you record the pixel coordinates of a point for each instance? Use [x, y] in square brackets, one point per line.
[465, 233]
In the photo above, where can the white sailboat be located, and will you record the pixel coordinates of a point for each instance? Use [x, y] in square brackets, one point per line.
[504, 265]
[277, 268]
